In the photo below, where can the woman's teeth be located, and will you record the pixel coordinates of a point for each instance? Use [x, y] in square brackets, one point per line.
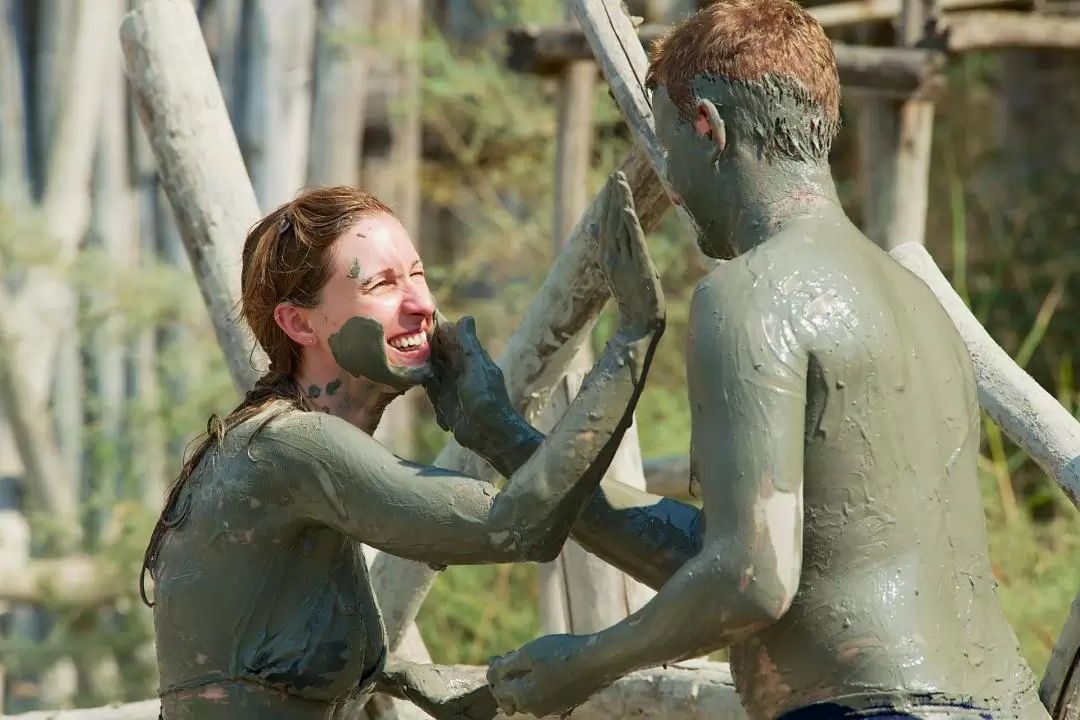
[408, 342]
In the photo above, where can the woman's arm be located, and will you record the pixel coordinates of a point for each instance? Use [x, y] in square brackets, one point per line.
[337, 475]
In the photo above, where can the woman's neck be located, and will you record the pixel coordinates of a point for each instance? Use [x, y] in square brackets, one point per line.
[355, 400]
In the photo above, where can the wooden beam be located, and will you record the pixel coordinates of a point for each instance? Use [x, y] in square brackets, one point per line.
[846, 14]
[970, 32]
[686, 691]
[893, 71]
[899, 72]
[1029, 415]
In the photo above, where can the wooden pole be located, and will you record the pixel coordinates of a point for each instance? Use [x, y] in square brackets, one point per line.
[579, 593]
[910, 187]
[340, 94]
[274, 119]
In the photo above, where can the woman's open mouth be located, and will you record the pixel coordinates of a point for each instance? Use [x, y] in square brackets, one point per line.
[411, 349]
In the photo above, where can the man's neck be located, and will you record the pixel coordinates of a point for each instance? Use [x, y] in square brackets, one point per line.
[355, 400]
[769, 198]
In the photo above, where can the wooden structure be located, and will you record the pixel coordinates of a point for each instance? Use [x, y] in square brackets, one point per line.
[892, 89]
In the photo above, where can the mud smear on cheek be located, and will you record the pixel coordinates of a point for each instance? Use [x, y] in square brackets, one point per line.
[360, 349]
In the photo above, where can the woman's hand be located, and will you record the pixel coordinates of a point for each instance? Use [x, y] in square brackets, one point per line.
[467, 389]
[621, 252]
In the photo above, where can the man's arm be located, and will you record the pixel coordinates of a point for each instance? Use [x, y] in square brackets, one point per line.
[747, 387]
[646, 536]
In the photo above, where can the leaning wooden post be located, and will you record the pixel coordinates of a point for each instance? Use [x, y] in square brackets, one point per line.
[579, 592]
[182, 109]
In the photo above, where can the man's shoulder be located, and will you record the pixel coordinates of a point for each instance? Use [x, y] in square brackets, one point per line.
[740, 286]
[726, 304]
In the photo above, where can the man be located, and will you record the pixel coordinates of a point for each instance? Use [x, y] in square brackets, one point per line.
[835, 430]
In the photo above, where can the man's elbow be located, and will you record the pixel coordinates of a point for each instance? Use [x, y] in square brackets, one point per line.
[758, 599]
[768, 597]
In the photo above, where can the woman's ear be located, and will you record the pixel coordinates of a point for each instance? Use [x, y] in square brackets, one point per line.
[294, 322]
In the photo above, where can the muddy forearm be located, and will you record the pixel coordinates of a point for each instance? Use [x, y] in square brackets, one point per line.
[544, 497]
[510, 443]
[671, 626]
[645, 536]
[443, 692]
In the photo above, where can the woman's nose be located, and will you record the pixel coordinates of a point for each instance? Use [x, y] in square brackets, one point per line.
[418, 300]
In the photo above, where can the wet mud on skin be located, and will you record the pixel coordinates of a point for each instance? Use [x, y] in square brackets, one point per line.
[360, 349]
[835, 438]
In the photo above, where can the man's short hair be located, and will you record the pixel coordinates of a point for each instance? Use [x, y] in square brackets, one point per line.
[748, 42]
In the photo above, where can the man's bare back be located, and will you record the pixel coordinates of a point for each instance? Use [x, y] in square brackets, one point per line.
[891, 439]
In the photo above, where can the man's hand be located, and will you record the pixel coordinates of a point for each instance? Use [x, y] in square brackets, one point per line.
[624, 259]
[467, 388]
[544, 677]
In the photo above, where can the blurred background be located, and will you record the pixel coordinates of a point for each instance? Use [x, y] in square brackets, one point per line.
[109, 365]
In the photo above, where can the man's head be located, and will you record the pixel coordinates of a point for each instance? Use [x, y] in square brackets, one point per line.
[739, 83]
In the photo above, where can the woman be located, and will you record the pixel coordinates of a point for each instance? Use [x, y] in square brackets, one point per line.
[263, 606]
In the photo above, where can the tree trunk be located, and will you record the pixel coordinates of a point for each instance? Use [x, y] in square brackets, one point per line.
[199, 161]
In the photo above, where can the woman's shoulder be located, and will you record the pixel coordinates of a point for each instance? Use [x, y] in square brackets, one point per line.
[284, 428]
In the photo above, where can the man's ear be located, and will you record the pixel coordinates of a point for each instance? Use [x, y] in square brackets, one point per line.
[294, 322]
[708, 123]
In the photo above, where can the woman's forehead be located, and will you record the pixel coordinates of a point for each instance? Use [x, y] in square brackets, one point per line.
[380, 241]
